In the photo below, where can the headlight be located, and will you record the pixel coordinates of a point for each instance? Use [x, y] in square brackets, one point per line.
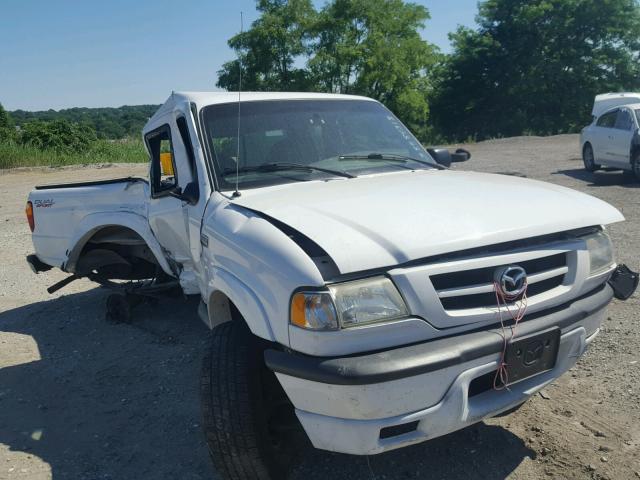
[600, 252]
[366, 301]
[348, 304]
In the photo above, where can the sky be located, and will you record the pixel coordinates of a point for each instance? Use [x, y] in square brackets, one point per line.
[69, 53]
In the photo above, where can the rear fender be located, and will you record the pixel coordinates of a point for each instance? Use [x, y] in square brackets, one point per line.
[94, 222]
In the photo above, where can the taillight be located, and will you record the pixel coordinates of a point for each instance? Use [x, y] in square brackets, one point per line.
[29, 212]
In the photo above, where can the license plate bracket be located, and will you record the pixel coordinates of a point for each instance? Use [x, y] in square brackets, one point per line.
[532, 354]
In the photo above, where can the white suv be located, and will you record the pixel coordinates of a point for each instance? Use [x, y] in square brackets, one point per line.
[612, 140]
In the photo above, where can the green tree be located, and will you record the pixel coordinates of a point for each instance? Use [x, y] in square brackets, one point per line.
[270, 48]
[7, 130]
[111, 123]
[5, 118]
[59, 135]
[534, 66]
[364, 47]
[375, 49]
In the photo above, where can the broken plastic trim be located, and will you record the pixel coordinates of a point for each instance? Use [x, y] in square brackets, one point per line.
[624, 282]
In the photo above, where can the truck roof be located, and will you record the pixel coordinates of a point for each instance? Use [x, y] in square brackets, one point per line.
[202, 99]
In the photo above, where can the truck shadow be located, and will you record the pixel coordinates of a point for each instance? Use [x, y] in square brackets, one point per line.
[602, 178]
[99, 400]
[479, 452]
[103, 400]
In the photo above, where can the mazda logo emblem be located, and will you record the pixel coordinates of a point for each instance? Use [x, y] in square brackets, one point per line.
[533, 352]
[511, 281]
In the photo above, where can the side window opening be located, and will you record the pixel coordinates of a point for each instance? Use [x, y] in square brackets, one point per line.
[623, 120]
[608, 120]
[163, 168]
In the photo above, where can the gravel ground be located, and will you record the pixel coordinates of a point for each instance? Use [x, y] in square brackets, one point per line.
[81, 398]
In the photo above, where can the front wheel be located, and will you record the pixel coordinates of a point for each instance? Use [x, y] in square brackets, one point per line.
[589, 159]
[250, 425]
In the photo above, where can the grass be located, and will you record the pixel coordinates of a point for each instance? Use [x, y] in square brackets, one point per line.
[102, 151]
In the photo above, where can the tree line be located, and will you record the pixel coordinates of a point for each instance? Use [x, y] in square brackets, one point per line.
[52, 133]
[74, 135]
[57, 141]
[106, 123]
[529, 67]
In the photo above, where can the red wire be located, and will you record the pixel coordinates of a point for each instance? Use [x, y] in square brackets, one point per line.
[502, 299]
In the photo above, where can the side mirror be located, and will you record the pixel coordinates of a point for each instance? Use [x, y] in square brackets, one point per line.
[190, 194]
[442, 156]
[460, 155]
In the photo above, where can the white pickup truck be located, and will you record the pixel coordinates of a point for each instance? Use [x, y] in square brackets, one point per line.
[355, 286]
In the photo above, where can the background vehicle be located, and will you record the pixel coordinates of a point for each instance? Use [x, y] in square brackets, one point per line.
[349, 279]
[612, 140]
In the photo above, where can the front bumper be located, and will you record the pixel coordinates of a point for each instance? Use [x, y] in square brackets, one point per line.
[372, 403]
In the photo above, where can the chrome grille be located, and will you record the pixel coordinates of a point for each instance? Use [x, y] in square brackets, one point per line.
[473, 288]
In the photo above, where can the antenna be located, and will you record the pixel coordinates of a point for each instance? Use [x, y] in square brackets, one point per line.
[237, 192]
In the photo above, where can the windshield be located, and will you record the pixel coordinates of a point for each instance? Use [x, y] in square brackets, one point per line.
[302, 140]
[638, 115]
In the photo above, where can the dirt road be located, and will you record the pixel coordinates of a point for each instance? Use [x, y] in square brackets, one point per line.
[81, 398]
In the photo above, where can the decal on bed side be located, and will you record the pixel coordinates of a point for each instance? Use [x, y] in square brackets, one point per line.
[44, 203]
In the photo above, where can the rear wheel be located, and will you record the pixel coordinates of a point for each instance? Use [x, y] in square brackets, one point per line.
[250, 425]
[589, 159]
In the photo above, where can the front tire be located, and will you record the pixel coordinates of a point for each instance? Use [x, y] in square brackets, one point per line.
[250, 425]
[589, 159]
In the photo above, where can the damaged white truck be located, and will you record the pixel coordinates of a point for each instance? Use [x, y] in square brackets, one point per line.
[361, 294]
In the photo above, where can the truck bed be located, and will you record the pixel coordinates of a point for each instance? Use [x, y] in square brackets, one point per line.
[65, 213]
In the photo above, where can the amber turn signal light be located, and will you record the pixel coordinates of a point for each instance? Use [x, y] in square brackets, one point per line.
[314, 311]
[29, 212]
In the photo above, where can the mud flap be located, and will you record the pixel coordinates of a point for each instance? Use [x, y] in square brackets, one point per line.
[37, 265]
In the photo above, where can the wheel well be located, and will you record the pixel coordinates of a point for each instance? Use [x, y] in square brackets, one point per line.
[117, 252]
[221, 309]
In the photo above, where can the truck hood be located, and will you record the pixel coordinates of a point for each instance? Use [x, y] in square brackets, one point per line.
[385, 220]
